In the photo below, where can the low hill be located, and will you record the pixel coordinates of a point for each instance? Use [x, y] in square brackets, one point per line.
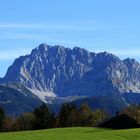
[74, 133]
[120, 122]
[16, 99]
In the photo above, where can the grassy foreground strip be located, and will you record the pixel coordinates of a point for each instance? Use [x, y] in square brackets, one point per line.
[78, 133]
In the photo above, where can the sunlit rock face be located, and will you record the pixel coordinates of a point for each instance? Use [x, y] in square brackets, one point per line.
[51, 71]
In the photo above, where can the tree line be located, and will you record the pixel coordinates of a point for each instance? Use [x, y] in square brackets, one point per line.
[42, 118]
[132, 111]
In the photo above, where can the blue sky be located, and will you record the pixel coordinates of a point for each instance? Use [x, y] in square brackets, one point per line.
[97, 25]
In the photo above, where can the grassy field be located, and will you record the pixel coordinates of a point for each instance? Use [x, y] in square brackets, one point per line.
[74, 134]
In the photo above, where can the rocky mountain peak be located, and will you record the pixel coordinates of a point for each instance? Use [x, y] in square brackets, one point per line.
[131, 62]
[59, 71]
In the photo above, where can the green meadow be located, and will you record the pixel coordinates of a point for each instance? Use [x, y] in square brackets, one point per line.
[73, 134]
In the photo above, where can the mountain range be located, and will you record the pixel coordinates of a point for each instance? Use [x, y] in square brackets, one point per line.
[55, 74]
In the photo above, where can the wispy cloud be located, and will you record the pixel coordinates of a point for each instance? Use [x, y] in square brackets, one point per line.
[52, 39]
[23, 36]
[59, 26]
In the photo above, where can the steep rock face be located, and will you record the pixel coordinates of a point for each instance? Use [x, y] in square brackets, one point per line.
[59, 71]
[49, 68]
[132, 76]
[104, 78]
